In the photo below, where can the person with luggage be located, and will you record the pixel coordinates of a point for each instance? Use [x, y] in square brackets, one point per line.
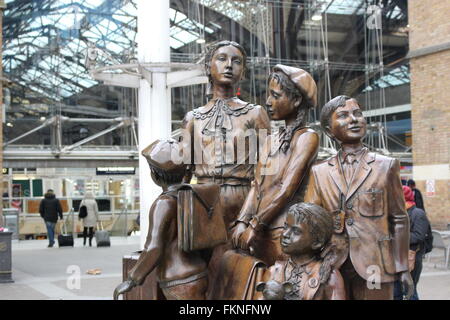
[419, 241]
[49, 209]
[180, 275]
[90, 218]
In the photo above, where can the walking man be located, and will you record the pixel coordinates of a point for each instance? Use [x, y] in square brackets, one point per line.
[49, 209]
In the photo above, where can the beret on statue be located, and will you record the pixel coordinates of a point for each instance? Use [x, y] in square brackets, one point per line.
[303, 81]
[164, 155]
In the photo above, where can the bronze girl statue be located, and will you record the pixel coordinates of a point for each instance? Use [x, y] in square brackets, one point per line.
[212, 133]
[282, 167]
[217, 138]
[308, 274]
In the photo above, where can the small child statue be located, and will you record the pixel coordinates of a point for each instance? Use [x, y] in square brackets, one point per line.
[180, 275]
[308, 274]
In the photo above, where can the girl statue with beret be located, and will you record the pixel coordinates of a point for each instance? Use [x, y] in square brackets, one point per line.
[282, 167]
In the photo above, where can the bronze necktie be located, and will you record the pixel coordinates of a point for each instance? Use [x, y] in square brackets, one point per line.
[348, 167]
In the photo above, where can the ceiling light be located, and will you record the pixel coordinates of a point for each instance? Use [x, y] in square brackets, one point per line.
[316, 17]
[201, 41]
[43, 118]
[9, 124]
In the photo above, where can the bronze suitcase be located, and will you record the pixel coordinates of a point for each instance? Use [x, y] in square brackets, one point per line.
[148, 290]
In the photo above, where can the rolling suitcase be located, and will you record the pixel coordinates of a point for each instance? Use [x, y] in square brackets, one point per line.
[102, 236]
[65, 239]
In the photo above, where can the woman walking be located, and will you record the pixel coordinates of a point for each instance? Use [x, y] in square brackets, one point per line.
[91, 219]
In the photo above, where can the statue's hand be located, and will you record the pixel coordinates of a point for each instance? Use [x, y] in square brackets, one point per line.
[247, 238]
[237, 232]
[407, 284]
[123, 288]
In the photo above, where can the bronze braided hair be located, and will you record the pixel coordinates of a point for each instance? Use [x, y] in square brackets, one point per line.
[320, 225]
[293, 93]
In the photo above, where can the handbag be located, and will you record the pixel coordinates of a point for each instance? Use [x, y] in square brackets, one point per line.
[411, 259]
[200, 217]
[82, 213]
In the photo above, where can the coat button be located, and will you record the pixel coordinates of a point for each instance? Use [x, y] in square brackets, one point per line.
[349, 206]
[349, 221]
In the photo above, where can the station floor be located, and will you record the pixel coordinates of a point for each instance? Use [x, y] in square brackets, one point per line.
[42, 273]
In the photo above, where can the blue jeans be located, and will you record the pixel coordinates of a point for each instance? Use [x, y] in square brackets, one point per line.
[50, 231]
[398, 294]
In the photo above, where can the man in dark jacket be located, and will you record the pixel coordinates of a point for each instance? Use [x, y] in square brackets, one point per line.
[419, 227]
[418, 199]
[49, 209]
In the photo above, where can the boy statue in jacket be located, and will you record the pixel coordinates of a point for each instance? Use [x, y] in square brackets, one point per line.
[364, 193]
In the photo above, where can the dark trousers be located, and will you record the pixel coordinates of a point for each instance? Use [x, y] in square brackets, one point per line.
[357, 288]
[415, 275]
[85, 233]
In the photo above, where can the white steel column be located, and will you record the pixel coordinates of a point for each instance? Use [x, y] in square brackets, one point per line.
[154, 99]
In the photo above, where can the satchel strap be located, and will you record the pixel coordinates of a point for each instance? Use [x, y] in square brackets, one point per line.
[171, 193]
[209, 208]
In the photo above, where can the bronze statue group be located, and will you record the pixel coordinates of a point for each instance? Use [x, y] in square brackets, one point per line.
[282, 225]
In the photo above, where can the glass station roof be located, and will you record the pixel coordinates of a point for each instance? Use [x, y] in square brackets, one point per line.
[392, 78]
[45, 41]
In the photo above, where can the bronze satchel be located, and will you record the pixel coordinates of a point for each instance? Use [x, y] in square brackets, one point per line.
[200, 217]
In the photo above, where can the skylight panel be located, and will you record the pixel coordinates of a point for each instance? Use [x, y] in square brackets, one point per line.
[186, 37]
[130, 9]
[123, 18]
[39, 90]
[13, 64]
[9, 52]
[66, 93]
[31, 50]
[44, 65]
[113, 47]
[395, 77]
[40, 41]
[172, 14]
[67, 20]
[174, 43]
[108, 25]
[87, 83]
[176, 16]
[34, 25]
[93, 3]
[346, 7]
[66, 52]
[92, 33]
[396, 13]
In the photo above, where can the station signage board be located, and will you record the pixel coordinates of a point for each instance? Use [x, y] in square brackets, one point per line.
[108, 171]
